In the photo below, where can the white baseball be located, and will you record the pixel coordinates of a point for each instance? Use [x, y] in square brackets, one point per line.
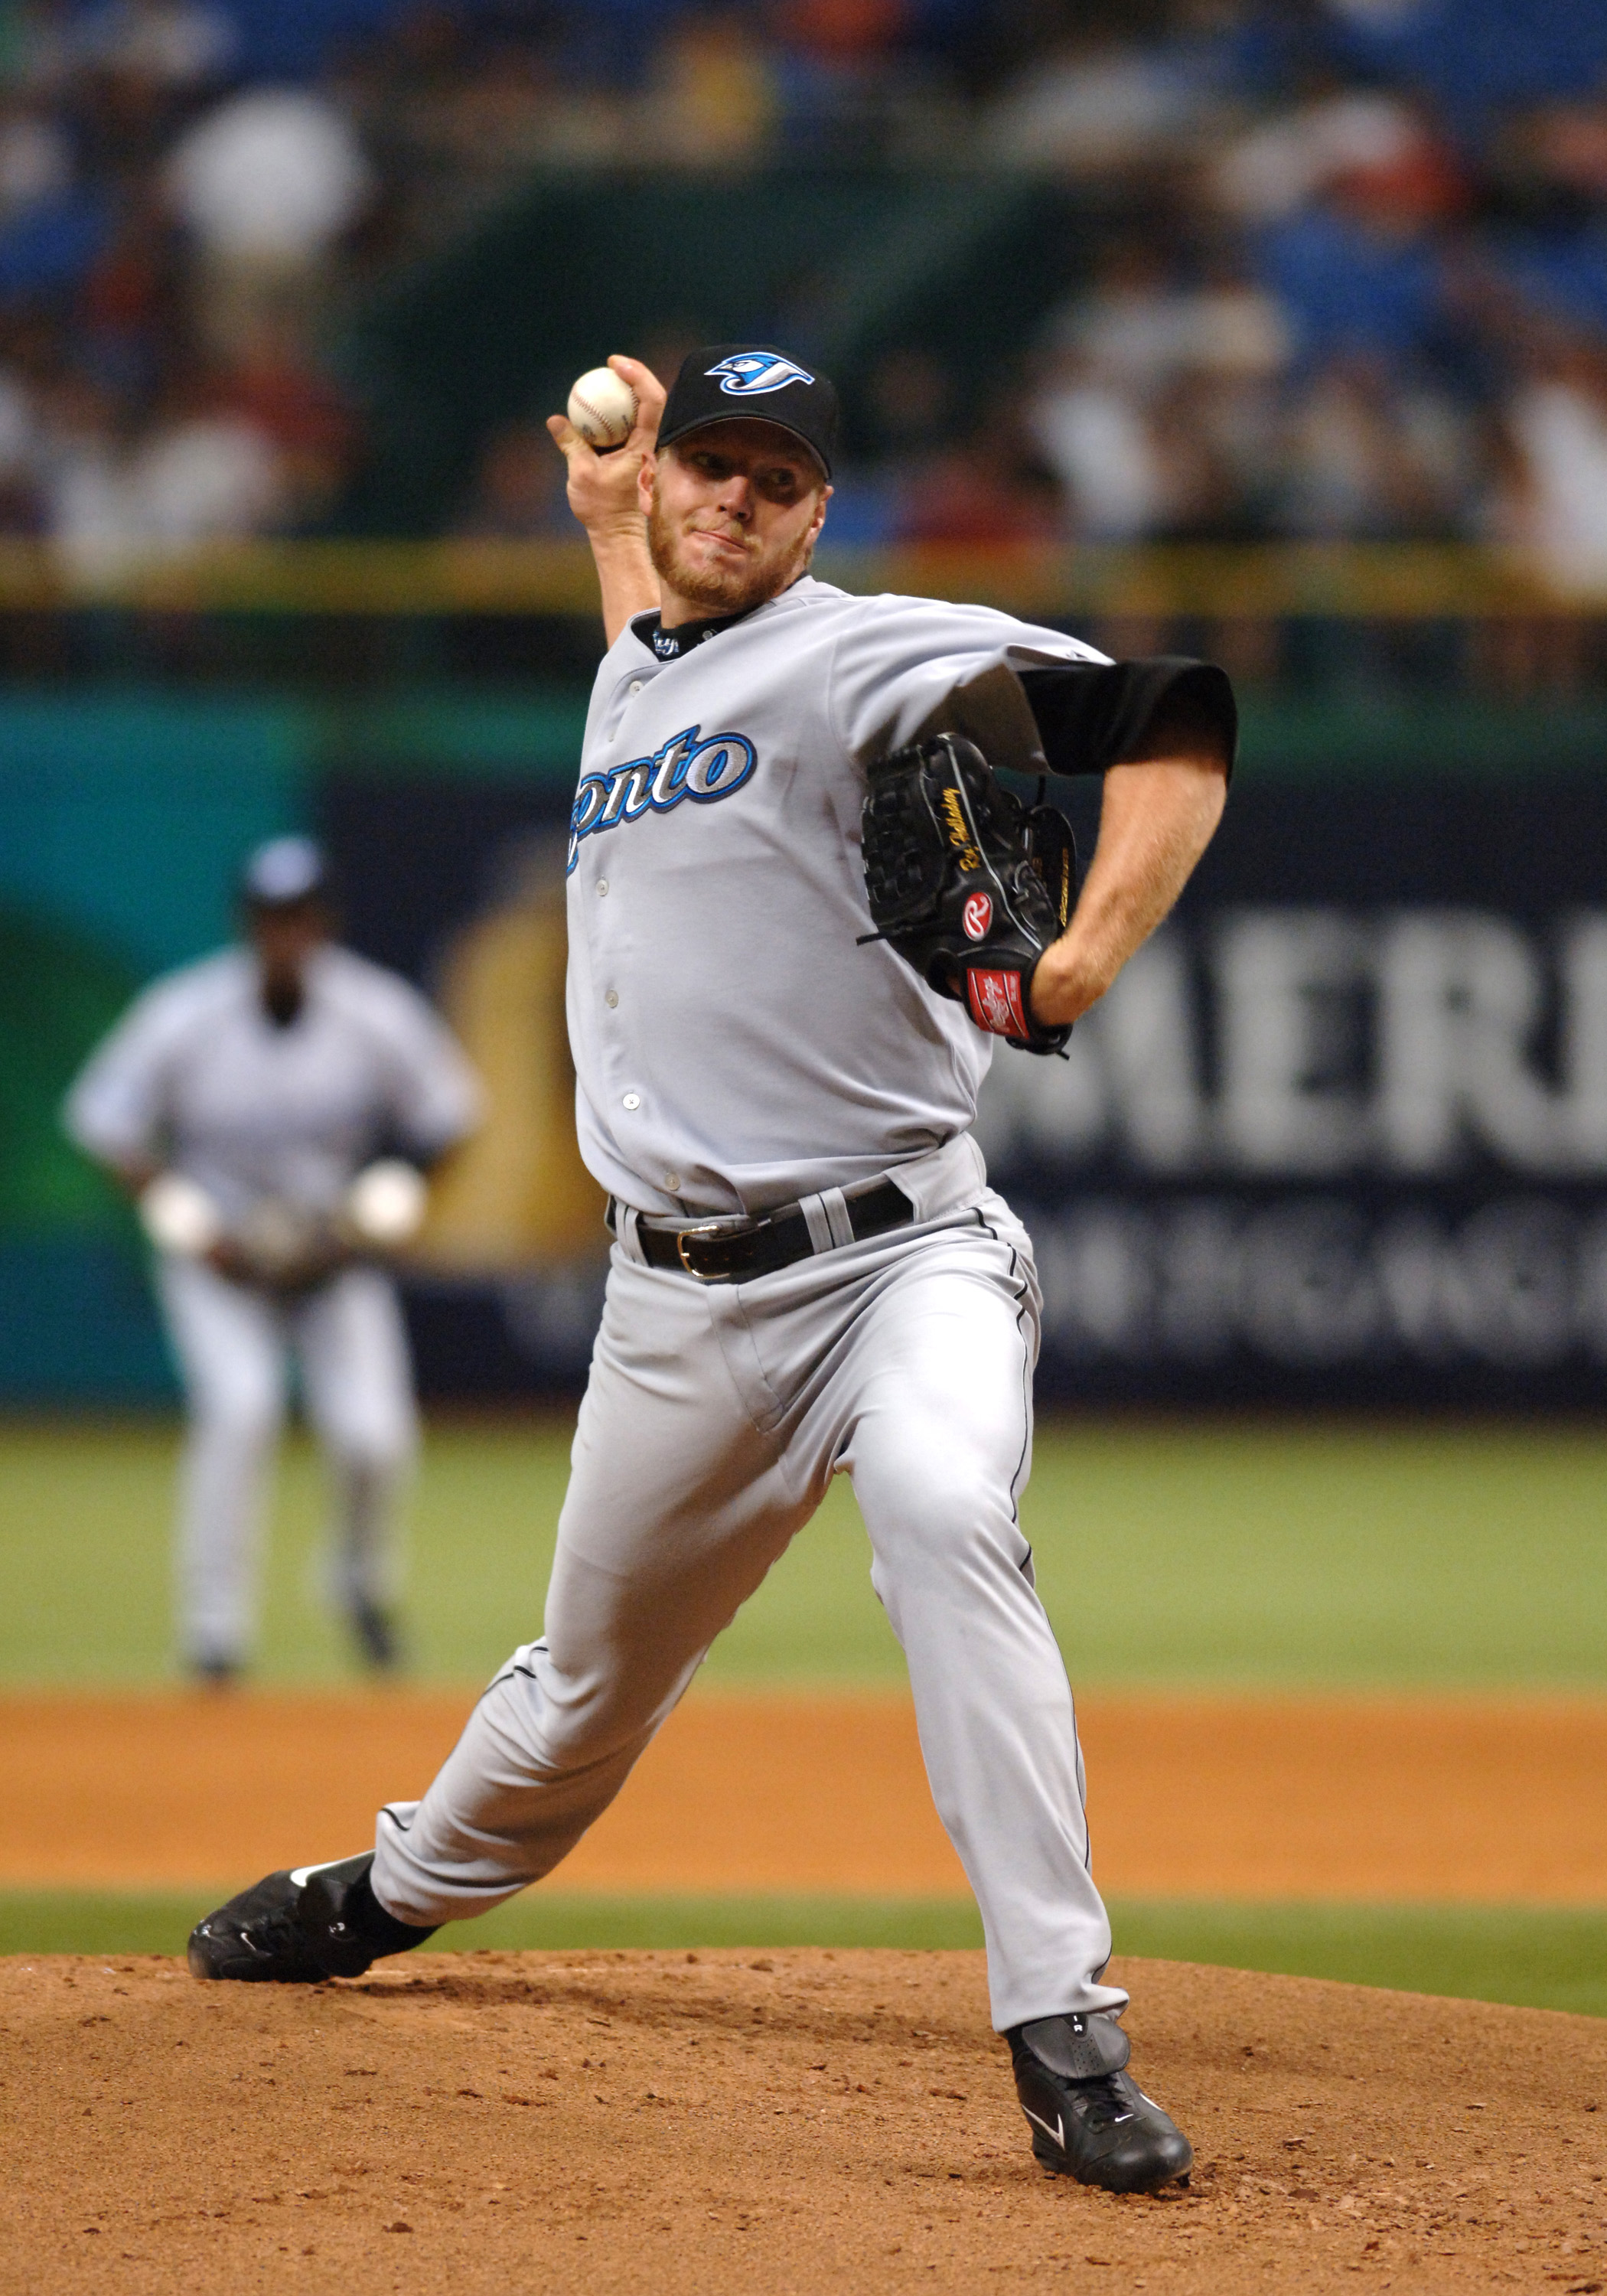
[385, 1202]
[602, 407]
[179, 1217]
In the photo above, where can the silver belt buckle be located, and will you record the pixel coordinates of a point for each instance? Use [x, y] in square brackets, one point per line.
[710, 1227]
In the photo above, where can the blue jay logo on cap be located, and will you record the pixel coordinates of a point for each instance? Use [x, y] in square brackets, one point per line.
[750, 374]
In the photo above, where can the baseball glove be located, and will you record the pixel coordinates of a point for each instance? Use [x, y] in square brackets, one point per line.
[280, 1247]
[965, 883]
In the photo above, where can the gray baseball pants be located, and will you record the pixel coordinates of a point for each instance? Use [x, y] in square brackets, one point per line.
[236, 1347]
[714, 1419]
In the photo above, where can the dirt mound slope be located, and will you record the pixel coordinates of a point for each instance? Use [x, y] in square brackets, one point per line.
[786, 2122]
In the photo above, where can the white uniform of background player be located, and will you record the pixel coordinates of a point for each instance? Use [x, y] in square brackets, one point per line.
[737, 1053]
[259, 1108]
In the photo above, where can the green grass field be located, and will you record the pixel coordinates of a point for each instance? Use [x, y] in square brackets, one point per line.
[1542, 1958]
[1171, 1554]
[1168, 1553]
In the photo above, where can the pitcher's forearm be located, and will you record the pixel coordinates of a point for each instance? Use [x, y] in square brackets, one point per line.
[605, 495]
[1156, 820]
[624, 574]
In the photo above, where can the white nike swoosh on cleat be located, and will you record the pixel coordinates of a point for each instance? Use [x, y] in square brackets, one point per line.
[1059, 2130]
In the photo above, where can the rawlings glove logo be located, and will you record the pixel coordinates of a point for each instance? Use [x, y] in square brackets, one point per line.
[750, 374]
[995, 998]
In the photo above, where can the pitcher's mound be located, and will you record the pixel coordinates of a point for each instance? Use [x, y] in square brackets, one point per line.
[774, 2122]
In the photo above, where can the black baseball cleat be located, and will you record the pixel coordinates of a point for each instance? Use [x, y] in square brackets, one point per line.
[374, 1632]
[298, 1928]
[1090, 2119]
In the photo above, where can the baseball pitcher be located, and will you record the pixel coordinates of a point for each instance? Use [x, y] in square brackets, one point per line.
[803, 913]
[273, 1109]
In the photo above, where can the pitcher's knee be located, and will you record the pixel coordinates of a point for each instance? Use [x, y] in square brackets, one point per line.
[944, 1513]
[568, 1721]
[374, 1462]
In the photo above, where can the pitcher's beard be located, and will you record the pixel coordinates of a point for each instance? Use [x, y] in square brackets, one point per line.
[731, 590]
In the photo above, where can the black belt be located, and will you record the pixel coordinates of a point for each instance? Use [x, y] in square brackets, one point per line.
[716, 1255]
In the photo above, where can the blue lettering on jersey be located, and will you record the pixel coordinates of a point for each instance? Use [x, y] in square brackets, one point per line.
[689, 764]
[749, 375]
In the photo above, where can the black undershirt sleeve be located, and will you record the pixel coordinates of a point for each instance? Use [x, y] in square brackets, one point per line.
[1092, 715]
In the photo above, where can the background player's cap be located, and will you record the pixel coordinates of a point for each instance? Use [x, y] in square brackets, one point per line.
[282, 871]
[723, 381]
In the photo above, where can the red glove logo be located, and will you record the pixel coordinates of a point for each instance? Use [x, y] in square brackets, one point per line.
[976, 916]
[994, 999]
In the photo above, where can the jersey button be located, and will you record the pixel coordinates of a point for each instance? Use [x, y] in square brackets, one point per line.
[633, 1101]
[636, 686]
[612, 999]
[672, 1181]
[601, 887]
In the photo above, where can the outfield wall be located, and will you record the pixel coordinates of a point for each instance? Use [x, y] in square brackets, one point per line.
[1338, 1136]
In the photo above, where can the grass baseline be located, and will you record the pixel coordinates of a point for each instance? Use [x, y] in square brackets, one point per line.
[1543, 1957]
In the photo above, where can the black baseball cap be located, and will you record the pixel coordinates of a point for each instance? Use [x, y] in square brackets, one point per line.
[724, 382]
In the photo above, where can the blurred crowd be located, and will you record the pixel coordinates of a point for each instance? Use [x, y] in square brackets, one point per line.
[1343, 271]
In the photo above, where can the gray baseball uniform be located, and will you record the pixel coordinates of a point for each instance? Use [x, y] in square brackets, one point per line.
[735, 1052]
[197, 1076]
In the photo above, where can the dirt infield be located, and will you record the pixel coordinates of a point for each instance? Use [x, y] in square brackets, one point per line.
[1445, 1799]
[785, 2123]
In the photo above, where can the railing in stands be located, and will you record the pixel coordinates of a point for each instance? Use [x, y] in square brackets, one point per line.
[1373, 581]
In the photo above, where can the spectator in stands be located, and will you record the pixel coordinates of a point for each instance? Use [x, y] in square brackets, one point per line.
[1557, 153]
[198, 471]
[519, 489]
[1100, 444]
[203, 472]
[79, 461]
[1099, 106]
[267, 184]
[36, 158]
[169, 44]
[983, 492]
[1472, 59]
[1366, 455]
[1551, 502]
[22, 503]
[276, 387]
[1368, 139]
[711, 95]
[128, 310]
[1155, 407]
[1347, 333]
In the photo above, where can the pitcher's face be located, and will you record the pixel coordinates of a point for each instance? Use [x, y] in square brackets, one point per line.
[732, 511]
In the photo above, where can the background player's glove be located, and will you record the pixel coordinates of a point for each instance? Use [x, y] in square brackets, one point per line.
[276, 1245]
[967, 885]
[280, 1247]
[284, 1248]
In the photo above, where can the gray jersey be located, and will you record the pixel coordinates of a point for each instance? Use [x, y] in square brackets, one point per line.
[734, 1048]
[197, 1076]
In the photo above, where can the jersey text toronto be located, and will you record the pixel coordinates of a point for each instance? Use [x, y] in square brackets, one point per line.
[688, 765]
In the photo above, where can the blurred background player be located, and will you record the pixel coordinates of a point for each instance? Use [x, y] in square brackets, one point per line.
[273, 1108]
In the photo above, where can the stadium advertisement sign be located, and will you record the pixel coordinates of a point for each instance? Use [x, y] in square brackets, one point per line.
[1314, 1150]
